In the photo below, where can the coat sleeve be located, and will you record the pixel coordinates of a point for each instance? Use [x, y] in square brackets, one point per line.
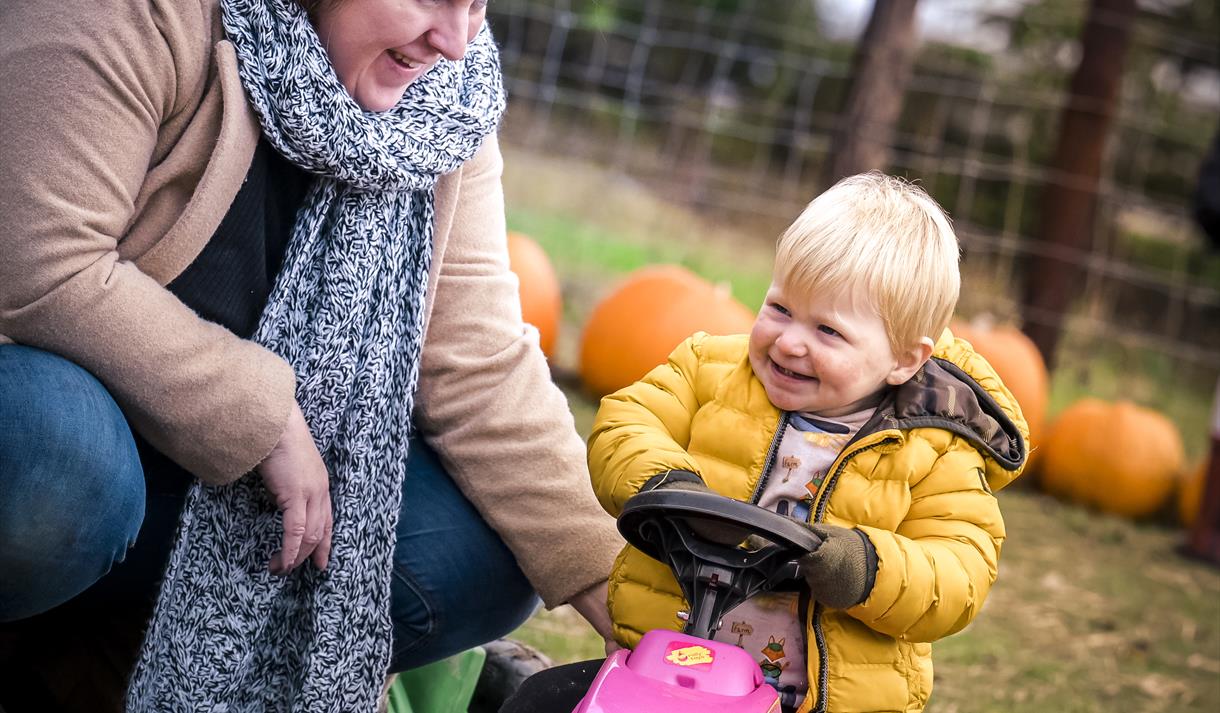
[935, 570]
[487, 404]
[644, 429]
[84, 90]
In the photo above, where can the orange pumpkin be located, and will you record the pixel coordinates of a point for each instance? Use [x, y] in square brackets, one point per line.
[637, 325]
[1118, 457]
[541, 302]
[1190, 494]
[1018, 363]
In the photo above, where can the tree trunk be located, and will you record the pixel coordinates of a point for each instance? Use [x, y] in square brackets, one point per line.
[880, 72]
[1053, 274]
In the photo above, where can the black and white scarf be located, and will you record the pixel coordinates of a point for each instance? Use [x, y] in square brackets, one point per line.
[346, 313]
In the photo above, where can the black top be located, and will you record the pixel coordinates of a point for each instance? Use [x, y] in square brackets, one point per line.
[230, 280]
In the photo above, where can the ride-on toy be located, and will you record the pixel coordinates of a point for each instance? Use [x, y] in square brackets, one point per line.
[687, 672]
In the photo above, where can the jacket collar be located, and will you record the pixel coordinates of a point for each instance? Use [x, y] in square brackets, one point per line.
[942, 395]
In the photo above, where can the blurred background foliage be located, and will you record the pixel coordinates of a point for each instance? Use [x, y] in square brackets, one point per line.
[729, 108]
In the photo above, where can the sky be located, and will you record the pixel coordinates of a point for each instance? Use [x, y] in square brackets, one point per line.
[952, 20]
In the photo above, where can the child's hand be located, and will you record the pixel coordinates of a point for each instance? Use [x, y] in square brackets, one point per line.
[720, 533]
[841, 571]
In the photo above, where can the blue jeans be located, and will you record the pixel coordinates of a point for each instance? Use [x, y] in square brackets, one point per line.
[79, 520]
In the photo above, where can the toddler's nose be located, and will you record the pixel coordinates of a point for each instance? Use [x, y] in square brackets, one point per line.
[791, 344]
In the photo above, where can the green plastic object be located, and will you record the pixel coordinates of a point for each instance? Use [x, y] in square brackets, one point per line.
[442, 687]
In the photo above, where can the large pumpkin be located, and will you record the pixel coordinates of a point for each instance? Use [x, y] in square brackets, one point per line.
[1118, 457]
[636, 326]
[541, 302]
[1018, 363]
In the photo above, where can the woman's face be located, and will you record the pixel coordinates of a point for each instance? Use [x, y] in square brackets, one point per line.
[378, 47]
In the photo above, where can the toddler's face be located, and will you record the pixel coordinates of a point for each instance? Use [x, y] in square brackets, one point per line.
[829, 354]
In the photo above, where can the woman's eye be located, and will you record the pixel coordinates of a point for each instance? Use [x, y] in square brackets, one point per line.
[827, 330]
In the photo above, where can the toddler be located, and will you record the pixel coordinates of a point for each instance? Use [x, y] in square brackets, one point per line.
[849, 407]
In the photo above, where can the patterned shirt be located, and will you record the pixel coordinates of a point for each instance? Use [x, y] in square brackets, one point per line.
[769, 625]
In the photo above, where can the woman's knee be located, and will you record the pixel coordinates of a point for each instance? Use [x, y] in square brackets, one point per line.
[72, 496]
[508, 602]
[430, 625]
[438, 616]
[455, 584]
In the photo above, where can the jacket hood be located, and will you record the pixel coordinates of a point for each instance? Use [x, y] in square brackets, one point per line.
[958, 390]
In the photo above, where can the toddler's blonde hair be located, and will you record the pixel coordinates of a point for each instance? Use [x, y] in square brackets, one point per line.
[886, 236]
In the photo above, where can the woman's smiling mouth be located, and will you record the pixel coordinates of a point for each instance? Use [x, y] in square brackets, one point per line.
[402, 60]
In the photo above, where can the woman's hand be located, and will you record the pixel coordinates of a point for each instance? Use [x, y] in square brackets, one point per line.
[296, 476]
[591, 604]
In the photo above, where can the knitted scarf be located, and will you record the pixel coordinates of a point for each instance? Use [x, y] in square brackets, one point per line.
[346, 313]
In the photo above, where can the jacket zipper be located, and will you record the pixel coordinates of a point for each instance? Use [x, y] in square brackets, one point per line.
[818, 636]
[766, 469]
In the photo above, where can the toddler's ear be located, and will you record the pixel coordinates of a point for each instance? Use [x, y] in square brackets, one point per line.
[909, 362]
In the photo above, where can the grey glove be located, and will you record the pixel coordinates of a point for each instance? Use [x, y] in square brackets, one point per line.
[841, 572]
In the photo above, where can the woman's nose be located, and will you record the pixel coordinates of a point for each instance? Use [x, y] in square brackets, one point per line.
[452, 31]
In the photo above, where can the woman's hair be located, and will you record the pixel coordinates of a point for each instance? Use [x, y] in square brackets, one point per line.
[886, 236]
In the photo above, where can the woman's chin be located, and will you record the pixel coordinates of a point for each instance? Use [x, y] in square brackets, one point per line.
[381, 85]
[380, 100]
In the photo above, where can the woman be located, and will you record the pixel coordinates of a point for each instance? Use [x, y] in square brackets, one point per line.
[155, 283]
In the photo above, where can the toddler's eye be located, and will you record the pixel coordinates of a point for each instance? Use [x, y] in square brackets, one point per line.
[779, 308]
[827, 330]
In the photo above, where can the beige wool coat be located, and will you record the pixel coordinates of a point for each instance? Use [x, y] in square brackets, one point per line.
[125, 137]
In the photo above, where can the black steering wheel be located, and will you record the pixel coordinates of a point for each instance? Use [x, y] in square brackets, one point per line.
[715, 577]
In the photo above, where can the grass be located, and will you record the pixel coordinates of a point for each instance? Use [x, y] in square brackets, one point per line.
[1091, 612]
[595, 226]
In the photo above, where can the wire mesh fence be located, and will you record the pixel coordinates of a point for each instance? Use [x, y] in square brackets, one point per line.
[731, 107]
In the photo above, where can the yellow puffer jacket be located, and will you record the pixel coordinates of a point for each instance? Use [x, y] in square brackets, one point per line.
[918, 480]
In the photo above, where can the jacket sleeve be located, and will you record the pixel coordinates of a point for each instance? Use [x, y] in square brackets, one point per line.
[84, 89]
[644, 429]
[487, 404]
[935, 570]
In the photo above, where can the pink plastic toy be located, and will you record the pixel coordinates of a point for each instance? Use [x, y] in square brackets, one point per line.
[674, 672]
[677, 673]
